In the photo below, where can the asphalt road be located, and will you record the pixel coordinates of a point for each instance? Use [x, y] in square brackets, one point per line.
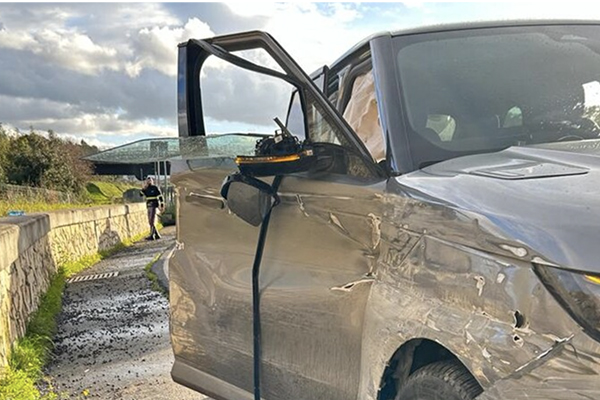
[113, 335]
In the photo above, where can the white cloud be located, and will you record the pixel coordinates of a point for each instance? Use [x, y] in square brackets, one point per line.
[13, 131]
[315, 35]
[10, 39]
[71, 49]
[414, 3]
[128, 52]
[156, 47]
[146, 40]
[90, 140]
[236, 95]
[103, 124]
[252, 8]
[427, 13]
[131, 16]
[48, 16]
[345, 13]
[65, 118]
[75, 51]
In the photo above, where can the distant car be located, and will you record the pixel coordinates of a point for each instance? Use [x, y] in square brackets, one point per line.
[435, 226]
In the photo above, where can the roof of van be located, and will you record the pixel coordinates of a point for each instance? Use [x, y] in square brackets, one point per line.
[461, 26]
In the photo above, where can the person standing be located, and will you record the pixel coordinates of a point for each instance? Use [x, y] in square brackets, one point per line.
[154, 200]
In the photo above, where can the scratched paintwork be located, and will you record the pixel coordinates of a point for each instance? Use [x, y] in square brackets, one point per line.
[470, 269]
[214, 331]
[417, 268]
[358, 272]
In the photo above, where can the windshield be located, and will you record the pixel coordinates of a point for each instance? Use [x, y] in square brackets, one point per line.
[480, 90]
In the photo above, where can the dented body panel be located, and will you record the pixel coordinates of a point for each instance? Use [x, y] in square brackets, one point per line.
[299, 287]
[412, 268]
[567, 370]
[360, 271]
[456, 259]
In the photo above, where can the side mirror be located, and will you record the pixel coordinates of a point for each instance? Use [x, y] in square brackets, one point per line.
[249, 198]
[281, 154]
[276, 165]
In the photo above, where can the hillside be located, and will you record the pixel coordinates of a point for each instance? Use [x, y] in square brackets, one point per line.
[101, 192]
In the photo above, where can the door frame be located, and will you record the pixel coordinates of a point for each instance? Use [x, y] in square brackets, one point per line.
[193, 54]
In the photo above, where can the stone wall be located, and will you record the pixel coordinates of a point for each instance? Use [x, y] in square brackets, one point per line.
[32, 248]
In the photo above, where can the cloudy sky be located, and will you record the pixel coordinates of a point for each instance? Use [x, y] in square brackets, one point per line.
[106, 72]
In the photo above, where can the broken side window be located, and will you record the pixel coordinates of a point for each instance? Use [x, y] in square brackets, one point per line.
[258, 97]
[362, 115]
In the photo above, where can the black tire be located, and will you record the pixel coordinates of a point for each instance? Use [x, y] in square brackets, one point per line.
[442, 380]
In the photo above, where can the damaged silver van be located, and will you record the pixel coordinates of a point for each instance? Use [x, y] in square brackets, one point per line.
[423, 225]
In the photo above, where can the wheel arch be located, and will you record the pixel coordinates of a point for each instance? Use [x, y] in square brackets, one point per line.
[410, 356]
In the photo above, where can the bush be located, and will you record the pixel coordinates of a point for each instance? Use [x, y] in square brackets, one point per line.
[52, 163]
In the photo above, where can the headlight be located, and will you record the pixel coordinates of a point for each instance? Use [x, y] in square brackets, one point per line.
[578, 293]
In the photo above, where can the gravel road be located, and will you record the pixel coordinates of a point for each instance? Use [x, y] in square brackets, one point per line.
[113, 336]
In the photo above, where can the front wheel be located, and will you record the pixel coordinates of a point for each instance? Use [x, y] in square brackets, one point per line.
[442, 380]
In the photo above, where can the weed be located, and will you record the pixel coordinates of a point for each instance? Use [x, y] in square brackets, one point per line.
[153, 277]
[31, 353]
[17, 385]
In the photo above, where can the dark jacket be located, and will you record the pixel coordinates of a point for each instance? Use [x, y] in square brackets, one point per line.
[153, 196]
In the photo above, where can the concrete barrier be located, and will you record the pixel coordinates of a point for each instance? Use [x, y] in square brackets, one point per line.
[32, 247]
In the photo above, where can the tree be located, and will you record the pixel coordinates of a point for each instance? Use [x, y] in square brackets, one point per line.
[27, 159]
[51, 163]
[88, 149]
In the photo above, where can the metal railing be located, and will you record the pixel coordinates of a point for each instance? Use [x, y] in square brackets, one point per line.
[17, 194]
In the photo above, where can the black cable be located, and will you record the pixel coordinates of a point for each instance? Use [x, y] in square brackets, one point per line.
[256, 291]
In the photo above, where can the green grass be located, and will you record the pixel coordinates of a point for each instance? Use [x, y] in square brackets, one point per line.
[17, 385]
[97, 193]
[31, 207]
[153, 277]
[32, 352]
[101, 192]
[73, 267]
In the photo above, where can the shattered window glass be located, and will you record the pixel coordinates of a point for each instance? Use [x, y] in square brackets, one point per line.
[173, 148]
[322, 130]
[362, 115]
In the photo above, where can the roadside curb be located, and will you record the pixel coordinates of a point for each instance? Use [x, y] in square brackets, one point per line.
[161, 268]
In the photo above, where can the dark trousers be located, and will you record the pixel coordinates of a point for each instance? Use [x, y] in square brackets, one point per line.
[151, 218]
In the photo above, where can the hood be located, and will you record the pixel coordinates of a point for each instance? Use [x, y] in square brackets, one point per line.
[544, 198]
